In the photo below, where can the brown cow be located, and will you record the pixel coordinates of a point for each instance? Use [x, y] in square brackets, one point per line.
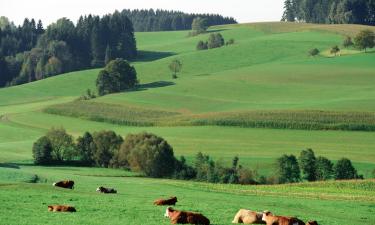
[170, 201]
[64, 184]
[312, 223]
[61, 208]
[280, 220]
[184, 217]
[106, 190]
[248, 217]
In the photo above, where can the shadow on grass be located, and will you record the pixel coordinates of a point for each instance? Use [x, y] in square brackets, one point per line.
[149, 56]
[10, 165]
[156, 84]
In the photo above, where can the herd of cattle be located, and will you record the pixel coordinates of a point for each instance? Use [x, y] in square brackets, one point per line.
[185, 217]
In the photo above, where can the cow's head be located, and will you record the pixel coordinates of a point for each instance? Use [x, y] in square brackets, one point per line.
[50, 208]
[266, 214]
[168, 211]
[54, 184]
[99, 189]
[174, 198]
[312, 223]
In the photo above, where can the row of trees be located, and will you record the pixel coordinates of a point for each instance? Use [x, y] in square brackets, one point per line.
[153, 156]
[330, 11]
[164, 20]
[313, 168]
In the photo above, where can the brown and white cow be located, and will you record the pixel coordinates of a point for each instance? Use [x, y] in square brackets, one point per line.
[280, 220]
[106, 190]
[184, 217]
[248, 217]
[61, 208]
[312, 223]
[64, 184]
[169, 201]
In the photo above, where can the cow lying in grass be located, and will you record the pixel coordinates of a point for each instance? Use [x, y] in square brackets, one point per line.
[61, 208]
[184, 217]
[248, 217]
[106, 190]
[64, 184]
[170, 201]
[280, 220]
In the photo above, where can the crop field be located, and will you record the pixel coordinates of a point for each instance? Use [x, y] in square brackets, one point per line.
[257, 99]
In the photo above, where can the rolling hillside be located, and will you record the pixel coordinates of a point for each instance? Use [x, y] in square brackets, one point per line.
[259, 98]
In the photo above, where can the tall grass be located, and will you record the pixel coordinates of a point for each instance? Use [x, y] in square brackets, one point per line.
[279, 119]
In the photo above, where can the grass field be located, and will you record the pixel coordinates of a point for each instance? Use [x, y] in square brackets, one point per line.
[224, 104]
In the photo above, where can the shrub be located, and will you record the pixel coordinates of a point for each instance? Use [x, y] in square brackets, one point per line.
[230, 42]
[288, 169]
[184, 171]
[307, 162]
[247, 176]
[215, 41]
[344, 170]
[314, 52]
[117, 76]
[347, 42]
[335, 49]
[42, 151]
[106, 144]
[62, 144]
[202, 45]
[324, 168]
[149, 153]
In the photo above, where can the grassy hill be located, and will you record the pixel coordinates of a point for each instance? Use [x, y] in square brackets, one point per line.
[259, 98]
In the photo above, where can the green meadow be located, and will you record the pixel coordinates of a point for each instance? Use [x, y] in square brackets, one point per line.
[258, 99]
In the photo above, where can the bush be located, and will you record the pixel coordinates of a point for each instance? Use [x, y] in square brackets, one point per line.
[324, 168]
[230, 42]
[215, 41]
[202, 45]
[307, 162]
[42, 151]
[314, 52]
[148, 153]
[117, 76]
[184, 171]
[344, 170]
[335, 49]
[63, 147]
[365, 39]
[107, 143]
[288, 169]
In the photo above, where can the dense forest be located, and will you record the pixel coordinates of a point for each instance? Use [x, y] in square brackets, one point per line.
[330, 11]
[164, 20]
[29, 52]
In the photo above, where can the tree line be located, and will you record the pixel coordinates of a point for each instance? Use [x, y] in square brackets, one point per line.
[30, 52]
[165, 20]
[330, 11]
[153, 156]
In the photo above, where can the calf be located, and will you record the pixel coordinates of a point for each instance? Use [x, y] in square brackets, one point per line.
[106, 190]
[280, 220]
[64, 184]
[184, 217]
[61, 208]
[170, 201]
[248, 217]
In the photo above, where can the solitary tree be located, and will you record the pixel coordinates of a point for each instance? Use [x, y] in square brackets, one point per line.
[288, 169]
[365, 39]
[347, 42]
[42, 151]
[314, 52]
[307, 162]
[175, 67]
[344, 170]
[335, 49]
[117, 76]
